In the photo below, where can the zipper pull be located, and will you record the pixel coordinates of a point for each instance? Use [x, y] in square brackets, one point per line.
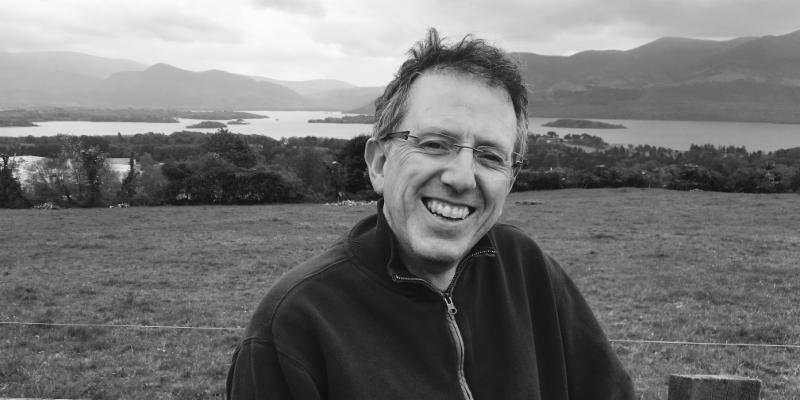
[451, 308]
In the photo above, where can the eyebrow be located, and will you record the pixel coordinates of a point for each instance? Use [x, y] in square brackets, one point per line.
[459, 136]
[478, 142]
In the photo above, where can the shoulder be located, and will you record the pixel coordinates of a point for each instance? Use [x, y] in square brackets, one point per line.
[517, 249]
[513, 243]
[291, 289]
[505, 232]
[310, 285]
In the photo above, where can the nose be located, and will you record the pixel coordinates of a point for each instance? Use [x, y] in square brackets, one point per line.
[459, 173]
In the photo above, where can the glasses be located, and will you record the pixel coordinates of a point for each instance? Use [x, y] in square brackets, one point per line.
[443, 147]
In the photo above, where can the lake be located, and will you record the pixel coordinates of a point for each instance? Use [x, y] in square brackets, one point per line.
[279, 124]
[678, 135]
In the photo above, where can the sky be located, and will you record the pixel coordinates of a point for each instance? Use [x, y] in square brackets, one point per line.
[363, 41]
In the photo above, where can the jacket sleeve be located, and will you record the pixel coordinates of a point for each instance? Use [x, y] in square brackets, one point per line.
[593, 369]
[259, 371]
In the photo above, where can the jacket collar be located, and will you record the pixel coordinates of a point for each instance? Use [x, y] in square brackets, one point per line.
[373, 243]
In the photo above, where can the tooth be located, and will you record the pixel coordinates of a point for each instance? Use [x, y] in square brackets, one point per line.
[431, 205]
[447, 210]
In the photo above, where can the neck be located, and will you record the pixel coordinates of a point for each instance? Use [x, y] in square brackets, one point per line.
[438, 275]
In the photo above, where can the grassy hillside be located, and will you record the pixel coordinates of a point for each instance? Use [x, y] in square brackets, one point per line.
[654, 264]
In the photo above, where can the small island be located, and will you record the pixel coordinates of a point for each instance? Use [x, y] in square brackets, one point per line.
[26, 117]
[582, 124]
[347, 119]
[238, 121]
[219, 115]
[208, 125]
[16, 122]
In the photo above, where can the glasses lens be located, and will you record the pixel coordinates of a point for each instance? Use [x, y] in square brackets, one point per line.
[489, 159]
[435, 144]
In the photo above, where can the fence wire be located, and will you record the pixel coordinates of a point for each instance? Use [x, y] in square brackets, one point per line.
[215, 328]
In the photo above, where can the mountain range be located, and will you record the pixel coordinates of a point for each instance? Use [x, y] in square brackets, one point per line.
[48, 79]
[742, 79]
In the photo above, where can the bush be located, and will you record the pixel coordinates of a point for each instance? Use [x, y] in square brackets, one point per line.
[538, 180]
[211, 179]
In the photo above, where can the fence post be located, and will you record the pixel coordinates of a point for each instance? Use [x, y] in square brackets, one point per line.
[713, 387]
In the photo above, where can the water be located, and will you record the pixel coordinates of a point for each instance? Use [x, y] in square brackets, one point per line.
[279, 124]
[678, 135]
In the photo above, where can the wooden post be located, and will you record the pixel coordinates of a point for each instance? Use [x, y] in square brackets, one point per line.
[713, 387]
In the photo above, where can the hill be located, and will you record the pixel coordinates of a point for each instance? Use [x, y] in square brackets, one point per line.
[163, 85]
[309, 87]
[34, 63]
[743, 79]
[44, 78]
[330, 94]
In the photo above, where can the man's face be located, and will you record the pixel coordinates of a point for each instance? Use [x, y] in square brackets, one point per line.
[439, 209]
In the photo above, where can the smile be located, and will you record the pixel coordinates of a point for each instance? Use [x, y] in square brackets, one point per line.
[448, 211]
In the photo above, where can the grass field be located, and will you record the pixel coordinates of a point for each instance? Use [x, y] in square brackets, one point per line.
[654, 264]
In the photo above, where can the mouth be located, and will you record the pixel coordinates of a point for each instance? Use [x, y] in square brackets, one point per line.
[447, 211]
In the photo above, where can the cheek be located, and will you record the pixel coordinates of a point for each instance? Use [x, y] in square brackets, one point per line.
[406, 167]
[495, 193]
[404, 156]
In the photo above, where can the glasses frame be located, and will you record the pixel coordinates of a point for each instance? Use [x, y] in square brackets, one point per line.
[517, 164]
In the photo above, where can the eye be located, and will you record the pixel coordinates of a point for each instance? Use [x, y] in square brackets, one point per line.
[434, 145]
[490, 157]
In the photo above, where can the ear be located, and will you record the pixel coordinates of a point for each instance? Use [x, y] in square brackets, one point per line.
[375, 156]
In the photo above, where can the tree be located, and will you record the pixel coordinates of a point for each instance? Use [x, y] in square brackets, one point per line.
[92, 164]
[231, 147]
[309, 165]
[351, 161]
[88, 168]
[128, 189]
[51, 181]
[150, 183]
[10, 188]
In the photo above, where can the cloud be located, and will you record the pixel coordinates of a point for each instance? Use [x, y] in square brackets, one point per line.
[560, 26]
[312, 8]
[363, 40]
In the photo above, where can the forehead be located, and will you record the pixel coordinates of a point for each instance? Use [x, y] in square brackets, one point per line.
[461, 105]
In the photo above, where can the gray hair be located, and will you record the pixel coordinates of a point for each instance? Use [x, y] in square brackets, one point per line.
[469, 56]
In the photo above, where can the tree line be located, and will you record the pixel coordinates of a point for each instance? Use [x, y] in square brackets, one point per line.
[183, 168]
[585, 161]
[227, 168]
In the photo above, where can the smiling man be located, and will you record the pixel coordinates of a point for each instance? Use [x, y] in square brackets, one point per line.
[432, 298]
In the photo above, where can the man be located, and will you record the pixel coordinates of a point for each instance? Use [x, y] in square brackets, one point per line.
[431, 298]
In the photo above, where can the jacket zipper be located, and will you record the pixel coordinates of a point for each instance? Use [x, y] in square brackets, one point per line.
[451, 310]
[459, 341]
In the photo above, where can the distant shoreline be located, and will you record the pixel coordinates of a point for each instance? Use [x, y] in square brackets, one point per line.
[582, 124]
[347, 119]
[207, 125]
[675, 134]
[16, 123]
[28, 117]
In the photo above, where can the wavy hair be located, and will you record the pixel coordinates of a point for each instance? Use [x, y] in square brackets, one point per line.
[470, 56]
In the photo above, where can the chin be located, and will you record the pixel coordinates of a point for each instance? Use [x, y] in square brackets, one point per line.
[441, 252]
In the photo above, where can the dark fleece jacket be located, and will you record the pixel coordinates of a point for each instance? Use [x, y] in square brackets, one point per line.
[353, 323]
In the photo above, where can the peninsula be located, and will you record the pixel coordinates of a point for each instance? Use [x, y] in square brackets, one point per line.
[347, 119]
[207, 125]
[582, 124]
